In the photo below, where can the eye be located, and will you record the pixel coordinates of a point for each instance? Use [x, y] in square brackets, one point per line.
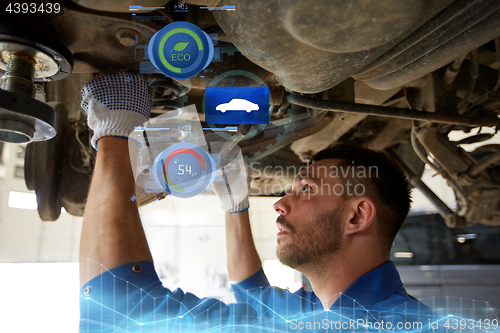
[305, 188]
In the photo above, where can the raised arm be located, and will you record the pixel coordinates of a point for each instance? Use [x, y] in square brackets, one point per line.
[242, 258]
[112, 233]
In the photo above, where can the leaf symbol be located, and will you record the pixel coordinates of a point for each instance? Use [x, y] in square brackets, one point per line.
[180, 46]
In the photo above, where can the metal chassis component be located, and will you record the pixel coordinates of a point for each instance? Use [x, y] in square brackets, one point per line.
[53, 172]
[42, 177]
[307, 147]
[462, 27]
[384, 111]
[481, 194]
[284, 132]
[451, 219]
[37, 118]
[47, 51]
[26, 57]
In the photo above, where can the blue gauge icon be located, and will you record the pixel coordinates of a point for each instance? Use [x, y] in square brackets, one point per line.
[180, 50]
[184, 170]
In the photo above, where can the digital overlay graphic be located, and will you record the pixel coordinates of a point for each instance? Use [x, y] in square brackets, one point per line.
[184, 170]
[180, 50]
[237, 105]
[174, 156]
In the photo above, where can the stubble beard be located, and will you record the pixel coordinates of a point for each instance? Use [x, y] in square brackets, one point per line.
[319, 237]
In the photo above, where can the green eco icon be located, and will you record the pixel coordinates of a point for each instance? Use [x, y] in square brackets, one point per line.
[180, 50]
[180, 46]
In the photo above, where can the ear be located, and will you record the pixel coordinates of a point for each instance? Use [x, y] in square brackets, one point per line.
[362, 215]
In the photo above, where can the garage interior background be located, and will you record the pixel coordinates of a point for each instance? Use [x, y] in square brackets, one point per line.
[38, 260]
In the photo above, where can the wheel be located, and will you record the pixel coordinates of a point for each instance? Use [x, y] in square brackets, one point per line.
[42, 167]
[53, 169]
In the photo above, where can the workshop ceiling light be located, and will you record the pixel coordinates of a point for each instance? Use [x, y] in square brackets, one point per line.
[464, 237]
[407, 255]
[22, 200]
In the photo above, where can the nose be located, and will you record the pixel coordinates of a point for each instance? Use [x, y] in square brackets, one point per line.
[281, 206]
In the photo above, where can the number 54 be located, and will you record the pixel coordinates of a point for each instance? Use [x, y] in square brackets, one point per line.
[187, 169]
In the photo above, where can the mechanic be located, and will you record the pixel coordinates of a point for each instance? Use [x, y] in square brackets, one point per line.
[336, 226]
[341, 243]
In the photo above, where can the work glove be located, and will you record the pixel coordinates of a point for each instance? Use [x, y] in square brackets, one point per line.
[115, 104]
[233, 189]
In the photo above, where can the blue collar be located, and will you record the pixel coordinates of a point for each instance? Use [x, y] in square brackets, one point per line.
[372, 287]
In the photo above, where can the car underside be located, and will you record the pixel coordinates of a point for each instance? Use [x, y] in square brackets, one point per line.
[396, 76]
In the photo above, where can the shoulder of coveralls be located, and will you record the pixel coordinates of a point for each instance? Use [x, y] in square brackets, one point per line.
[140, 273]
[257, 291]
[400, 308]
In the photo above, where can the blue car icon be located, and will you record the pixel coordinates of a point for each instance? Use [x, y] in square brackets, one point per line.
[238, 104]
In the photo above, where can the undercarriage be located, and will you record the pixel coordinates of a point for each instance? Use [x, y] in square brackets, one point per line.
[396, 76]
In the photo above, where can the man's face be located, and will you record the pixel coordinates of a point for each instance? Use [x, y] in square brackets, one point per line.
[310, 217]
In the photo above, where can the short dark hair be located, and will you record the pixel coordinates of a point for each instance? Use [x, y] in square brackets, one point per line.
[389, 190]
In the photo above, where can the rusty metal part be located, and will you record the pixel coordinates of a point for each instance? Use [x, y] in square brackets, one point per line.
[307, 147]
[42, 167]
[126, 37]
[457, 162]
[102, 41]
[452, 70]
[19, 75]
[57, 170]
[43, 65]
[462, 27]
[451, 179]
[25, 57]
[388, 136]
[294, 98]
[497, 49]
[483, 164]
[430, 94]
[474, 74]
[364, 94]
[314, 47]
[422, 154]
[452, 220]
[65, 91]
[481, 193]
[22, 118]
[483, 88]
[53, 61]
[283, 132]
